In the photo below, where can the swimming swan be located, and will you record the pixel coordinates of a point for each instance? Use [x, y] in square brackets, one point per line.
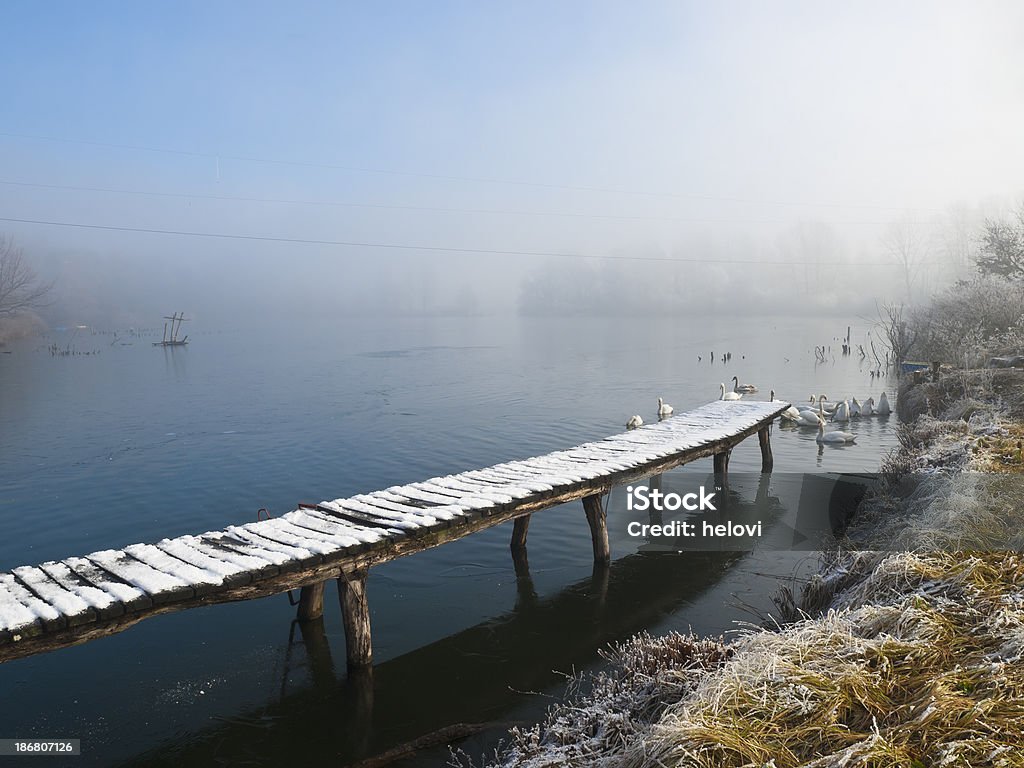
[747, 389]
[835, 436]
[729, 395]
[883, 408]
[790, 414]
[855, 407]
[868, 407]
[634, 422]
[664, 409]
[842, 412]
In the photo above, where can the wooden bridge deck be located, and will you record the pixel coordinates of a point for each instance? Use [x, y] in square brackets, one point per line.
[56, 604]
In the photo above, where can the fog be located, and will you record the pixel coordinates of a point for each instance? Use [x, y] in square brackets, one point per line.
[470, 159]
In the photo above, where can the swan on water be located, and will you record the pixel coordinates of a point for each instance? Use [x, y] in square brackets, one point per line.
[664, 409]
[729, 395]
[634, 422]
[855, 407]
[842, 412]
[790, 414]
[835, 436]
[808, 419]
[746, 389]
[883, 409]
[867, 408]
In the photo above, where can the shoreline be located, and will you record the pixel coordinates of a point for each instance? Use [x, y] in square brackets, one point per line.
[905, 649]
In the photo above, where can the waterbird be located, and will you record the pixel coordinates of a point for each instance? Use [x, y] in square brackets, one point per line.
[835, 436]
[729, 395]
[790, 414]
[868, 407]
[883, 408]
[746, 389]
[842, 412]
[664, 409]
[634, 422]
[855, 407]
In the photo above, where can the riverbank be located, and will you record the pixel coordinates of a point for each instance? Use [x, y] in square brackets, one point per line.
[906, 649]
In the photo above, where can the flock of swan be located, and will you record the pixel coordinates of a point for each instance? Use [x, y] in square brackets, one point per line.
[812, 415]
[842, 412]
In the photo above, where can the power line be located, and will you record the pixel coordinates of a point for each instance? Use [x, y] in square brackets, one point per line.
[451, 177]
[382, 206]
[436, 248]
[390, 207]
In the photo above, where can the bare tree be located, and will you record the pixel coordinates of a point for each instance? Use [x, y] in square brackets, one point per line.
[20, 288]
[899, 337]
[905, 242]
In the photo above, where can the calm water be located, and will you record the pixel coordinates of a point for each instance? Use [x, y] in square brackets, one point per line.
[138, 442]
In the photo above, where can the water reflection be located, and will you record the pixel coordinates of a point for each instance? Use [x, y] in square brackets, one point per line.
[477, 675]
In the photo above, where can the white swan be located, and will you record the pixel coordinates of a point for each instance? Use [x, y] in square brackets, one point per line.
[729, 395]
[855, 408]
[790, 414]
[835, 436]
[868, 407]
[808, 419]
[883, 408]
[664, 409]
[634, 422]
[842, 412]
[746, 389]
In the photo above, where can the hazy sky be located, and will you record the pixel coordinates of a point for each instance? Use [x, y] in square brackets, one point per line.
[626, 128]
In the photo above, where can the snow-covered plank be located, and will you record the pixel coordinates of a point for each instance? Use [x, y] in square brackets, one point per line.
[75, 610]
[312, 518]
[505, 476]
[333, 511]
[491, 494]
[406, 521]
[161, 587]
[295, 554]
[16, 618]
[465, 502]
[101, 601]
[233, 568]
[349, 533]
[199, 579]
[467, 481]
[415, 510]
[131, 597]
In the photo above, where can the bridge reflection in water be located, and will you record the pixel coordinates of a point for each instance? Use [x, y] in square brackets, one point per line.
[482, 674]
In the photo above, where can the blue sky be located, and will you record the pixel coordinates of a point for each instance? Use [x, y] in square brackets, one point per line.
[728, 122]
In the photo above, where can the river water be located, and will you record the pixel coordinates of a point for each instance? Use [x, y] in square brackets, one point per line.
[136, 442]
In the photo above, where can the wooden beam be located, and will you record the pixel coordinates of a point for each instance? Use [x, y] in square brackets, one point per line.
[764, 438]
[355, 614]
[519, 528]
[311, 602]
[721, 462]
[598, 527]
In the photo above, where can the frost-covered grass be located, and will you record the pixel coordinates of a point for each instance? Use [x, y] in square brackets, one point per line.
[910, 657]
[919, 664]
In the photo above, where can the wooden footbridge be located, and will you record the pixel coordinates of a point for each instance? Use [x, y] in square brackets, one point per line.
[57, 604]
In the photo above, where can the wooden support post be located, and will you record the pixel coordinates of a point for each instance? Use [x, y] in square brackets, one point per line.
[311, 602]
[519, 528]
[767, 462]
[721, 462]
[598, 528]
[355, 614]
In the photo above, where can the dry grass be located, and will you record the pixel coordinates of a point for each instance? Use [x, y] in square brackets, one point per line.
[921, 665]
[911, 657]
